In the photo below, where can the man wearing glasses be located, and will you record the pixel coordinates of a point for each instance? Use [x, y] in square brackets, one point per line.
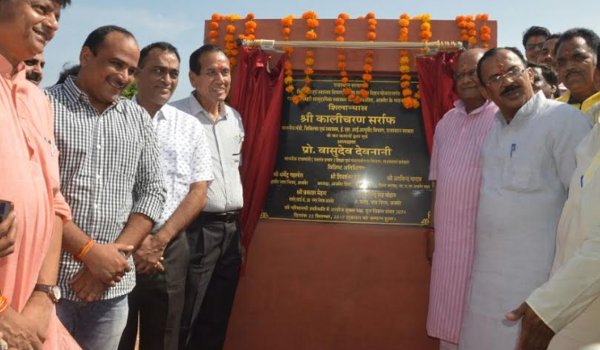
[527, 162]
[533, 41]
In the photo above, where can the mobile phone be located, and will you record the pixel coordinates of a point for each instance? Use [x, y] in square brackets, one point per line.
[5, 207]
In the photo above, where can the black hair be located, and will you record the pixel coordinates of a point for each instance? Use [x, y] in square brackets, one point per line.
[493, 52]
[63, 3]
[96, 38]
[535, 31]
[548, 73]
[161, 45]
[195, 56]
[554, 36]
[591, 38]
[66, 72]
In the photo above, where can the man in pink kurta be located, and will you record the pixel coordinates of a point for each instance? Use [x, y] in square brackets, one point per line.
[455, 168]
[30, 180]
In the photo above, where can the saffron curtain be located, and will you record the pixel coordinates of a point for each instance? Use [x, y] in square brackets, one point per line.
[436, 86]
[258, 96]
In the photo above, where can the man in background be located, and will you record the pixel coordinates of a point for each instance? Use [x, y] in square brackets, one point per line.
[456, 171]
[576, 58]
[533, 42]
[34, 70]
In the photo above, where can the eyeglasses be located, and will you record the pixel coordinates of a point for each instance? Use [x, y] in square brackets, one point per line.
[512, 73]
[468, 74]
[536, 47]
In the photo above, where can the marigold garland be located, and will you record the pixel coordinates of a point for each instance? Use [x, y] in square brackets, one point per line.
[468, 33]
[485, 32]
[213, 33]
[249, 28]
[408, 101]
[287, 23]
[312, 22]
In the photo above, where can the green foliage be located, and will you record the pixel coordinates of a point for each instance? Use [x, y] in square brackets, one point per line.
[130, 91]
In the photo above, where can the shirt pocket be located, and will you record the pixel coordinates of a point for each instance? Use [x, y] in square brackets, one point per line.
[520, 177]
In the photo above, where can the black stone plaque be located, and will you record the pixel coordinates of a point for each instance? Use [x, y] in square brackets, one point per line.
[343, 162]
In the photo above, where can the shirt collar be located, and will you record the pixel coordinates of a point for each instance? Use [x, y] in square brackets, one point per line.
[530, 107]
[459, 104]
[196, 108]
[75, 94]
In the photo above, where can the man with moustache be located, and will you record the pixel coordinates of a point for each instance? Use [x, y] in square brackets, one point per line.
[111, 178]
[215, 236]
[156, 302]
[547, 56]
[31, 232]
[34, 70]
[576, 59]
[567, 304]
[528, 158]
[456, 172]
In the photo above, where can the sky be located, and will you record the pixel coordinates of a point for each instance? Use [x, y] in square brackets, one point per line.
[181, 22]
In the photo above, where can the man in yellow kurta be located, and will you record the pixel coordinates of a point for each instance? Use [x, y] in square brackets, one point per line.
[568, 303]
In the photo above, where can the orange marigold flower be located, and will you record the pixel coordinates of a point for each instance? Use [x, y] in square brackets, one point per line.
[404, 68]
[405, 77]
[289, 89]
[213, 34]
[305, 90]
[483, 17]
[308, 71]
[364, 93]
[425, 26]
[405, 16]
[229, 37]
[459, 19]
[214, 25]
[364, 85]
[346, 91]
[288, 80]
[372, 27]
[472, 40]
[469, 18]
[287, 21]
[286, 31]
[295, 99]
[472, 32]
[367, 68]
[371, 15]
[213, 41]
[343, 73]
[471, 25]
[356, 100]
[340, 22]
[312, 23]
[405, 84]
[215, 17]
[341, 65]
[311, 35]
[485, 30]
[404, 60]
[309, 61]
[344, 16]
[372, 21]
[250, 16]
[425, 35]
[232, 61]
[367, 77]
[403, 31]
[369, 59]
[485, 37]
[404, 22]
[230, 28]
[250, 25]
[339, 29]
[345, 80]
[371, 36]
[464, 37]
[288, 50]
[463, 24]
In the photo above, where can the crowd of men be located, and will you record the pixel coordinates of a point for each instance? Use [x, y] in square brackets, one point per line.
[516, 224]
[133, 232]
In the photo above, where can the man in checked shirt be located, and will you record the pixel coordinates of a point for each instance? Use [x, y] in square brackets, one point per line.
[111, 177]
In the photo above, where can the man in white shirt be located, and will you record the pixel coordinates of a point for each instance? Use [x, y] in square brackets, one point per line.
[215, 235]
[156, 302]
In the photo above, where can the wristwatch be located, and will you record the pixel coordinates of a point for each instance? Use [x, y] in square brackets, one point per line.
[52, 291]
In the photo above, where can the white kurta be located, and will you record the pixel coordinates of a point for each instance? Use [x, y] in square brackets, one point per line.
[575, 282]
[526, 169]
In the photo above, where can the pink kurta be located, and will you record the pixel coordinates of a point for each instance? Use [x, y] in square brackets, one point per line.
[29, 179]
[456, 168]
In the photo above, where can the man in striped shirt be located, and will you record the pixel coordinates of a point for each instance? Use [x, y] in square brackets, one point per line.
[456, 171]
[111, 177]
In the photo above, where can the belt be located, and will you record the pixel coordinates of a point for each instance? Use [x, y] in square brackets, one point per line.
[227, 216]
